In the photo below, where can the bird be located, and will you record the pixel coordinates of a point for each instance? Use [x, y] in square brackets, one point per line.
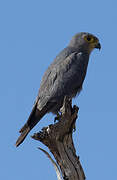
[64, 77]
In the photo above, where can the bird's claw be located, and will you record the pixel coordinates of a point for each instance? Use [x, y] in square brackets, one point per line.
[57, 118]
[74, 128]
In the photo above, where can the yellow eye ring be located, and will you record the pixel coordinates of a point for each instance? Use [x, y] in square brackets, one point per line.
[89, 39]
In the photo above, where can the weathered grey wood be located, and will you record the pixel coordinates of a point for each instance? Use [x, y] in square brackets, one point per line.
[58, 138]
[58, 173]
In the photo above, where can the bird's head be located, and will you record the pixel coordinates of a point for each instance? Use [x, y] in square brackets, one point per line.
[85, 42]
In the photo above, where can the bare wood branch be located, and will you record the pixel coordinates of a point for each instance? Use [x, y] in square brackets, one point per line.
[58, 138]
[54, 164]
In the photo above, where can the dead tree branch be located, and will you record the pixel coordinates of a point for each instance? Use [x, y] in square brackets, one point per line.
[58, 138]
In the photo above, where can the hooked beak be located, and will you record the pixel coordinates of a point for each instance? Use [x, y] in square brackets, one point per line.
[98, 46]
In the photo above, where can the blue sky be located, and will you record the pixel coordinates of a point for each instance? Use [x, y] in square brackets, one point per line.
[32, 33]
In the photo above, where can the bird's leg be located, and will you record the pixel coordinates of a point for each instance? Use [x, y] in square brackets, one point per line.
[73, 110]
[74, 127]
[67, 105]
[58, 117]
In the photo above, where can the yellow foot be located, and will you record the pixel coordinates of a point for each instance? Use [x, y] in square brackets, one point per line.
[57, 118]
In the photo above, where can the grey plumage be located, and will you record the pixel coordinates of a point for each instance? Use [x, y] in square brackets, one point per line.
[63, 77]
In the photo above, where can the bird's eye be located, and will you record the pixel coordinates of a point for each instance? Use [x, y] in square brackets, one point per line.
[89, 39]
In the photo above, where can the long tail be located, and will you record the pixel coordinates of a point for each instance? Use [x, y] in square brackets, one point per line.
[33, 119]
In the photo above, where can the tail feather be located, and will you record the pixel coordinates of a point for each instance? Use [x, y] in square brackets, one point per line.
[23, 128]
[22, 136]
[33, 119]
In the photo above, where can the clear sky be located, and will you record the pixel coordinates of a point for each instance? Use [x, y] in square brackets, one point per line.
[32, 33]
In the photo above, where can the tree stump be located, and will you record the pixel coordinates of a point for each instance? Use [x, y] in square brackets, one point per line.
[58, 138]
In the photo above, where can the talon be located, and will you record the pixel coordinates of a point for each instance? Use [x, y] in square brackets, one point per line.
[74, 127]
[57, 118]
